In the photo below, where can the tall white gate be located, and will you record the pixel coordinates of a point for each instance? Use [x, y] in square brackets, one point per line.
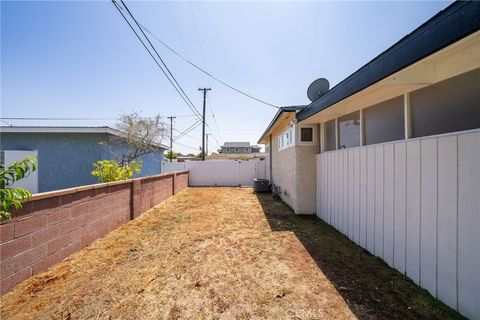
[220, 172]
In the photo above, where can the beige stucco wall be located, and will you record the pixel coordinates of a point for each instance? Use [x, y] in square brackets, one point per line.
[294, 170]
[283, 173]
[305, 179]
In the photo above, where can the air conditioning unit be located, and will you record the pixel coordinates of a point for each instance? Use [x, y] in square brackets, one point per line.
[260, 185]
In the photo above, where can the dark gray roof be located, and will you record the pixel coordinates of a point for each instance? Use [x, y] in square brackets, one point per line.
[238, 145]
[455, 22]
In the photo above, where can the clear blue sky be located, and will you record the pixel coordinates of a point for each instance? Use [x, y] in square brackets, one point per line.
[80, 59]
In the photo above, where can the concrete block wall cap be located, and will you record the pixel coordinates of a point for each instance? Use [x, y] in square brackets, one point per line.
[182, 172]
[116, 183]
[85, 188]
[100, 185]
[51, 194]
[157, 176]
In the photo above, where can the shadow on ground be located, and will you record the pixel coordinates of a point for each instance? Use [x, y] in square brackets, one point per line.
[371, 288]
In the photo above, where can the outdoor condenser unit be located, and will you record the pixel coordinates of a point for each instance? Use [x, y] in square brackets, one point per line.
[260, 185]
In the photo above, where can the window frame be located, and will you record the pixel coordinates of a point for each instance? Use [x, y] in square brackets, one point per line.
[287, 138]
[314, 135]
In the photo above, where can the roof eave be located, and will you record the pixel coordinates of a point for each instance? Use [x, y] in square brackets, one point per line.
[432, 36]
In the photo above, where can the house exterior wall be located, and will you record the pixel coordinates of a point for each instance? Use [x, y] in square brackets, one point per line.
[305, 178]
[282, 173]
[414, 204]
[31, 181]
[65, 159]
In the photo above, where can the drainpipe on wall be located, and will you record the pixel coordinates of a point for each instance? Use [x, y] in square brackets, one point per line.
[270, 158]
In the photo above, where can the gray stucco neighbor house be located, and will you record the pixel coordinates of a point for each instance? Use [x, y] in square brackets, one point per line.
[239, 148]
[66, 154]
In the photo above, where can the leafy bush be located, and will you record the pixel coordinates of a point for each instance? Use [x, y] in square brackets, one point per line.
[13, 197]
[111, 170]
[171, 154]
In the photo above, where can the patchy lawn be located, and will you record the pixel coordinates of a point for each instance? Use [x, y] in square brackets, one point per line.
[222, 253]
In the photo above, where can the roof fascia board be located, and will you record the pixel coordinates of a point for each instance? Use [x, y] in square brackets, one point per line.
[277, 116]
[455, 22]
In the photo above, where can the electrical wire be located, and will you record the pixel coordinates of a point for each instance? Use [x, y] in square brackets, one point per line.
[72, 118]
[206, 72]
[196, 32]
[188, 130]
[186, 135]
[159, 57]
[192, 107]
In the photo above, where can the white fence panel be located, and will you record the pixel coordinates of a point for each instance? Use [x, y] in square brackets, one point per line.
[418, 205]
[229, 173]
[201, 173]
[173, 166]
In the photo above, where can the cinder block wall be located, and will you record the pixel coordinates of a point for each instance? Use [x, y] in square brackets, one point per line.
[54, 225]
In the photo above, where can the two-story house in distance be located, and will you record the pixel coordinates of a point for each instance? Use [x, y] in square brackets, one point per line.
[239, 148]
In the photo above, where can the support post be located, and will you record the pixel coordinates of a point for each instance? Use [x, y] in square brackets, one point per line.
[362, 128]
[203, 119]
[407, 116]
[322, 137]
[337, 137]
[171, 136]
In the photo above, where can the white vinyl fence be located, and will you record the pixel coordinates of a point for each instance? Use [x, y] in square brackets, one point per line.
[219, 172]
[416, 205]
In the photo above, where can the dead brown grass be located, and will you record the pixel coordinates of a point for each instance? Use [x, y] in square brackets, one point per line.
[207, 253]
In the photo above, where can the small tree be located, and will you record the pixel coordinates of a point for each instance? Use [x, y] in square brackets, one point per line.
[14, 197]
[171, 155]
[139, 136]
[110, 170]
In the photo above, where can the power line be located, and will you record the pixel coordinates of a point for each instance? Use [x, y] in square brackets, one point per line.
[73, 118]
[53, 118]
[186, 146]
[186, 135]
[196, 32]
[158, 55]
[185, 99]
[206, 72]
[189, 129]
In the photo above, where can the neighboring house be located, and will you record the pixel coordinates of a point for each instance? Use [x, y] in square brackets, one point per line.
[239, 148]
[391, 156]
[233, 156]
[66, 154]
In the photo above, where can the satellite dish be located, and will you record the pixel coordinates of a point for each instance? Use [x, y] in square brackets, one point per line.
[317, 89]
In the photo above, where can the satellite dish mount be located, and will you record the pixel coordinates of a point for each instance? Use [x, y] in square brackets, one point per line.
[317, 89]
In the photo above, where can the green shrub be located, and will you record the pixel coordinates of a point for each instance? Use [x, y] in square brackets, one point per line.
[110, 170]
[13, 197]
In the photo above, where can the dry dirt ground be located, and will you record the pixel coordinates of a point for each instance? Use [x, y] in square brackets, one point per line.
[221, 253]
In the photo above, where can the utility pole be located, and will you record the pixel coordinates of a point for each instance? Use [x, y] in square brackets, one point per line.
[206, 144]
[171, 136]
[203, 119]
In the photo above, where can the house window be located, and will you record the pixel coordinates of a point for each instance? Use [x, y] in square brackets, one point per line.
[384, 122]
[286, 139]
[448, 106]
[306, 134]
[349, 130]
[236, 149]
[330, 132]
